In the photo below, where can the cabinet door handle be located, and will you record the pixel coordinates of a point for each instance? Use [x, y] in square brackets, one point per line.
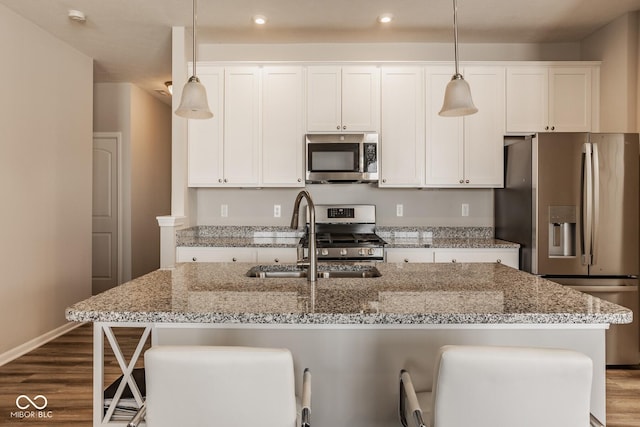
[384, 179]
[499, 261]
[454, 261]
[462, 181]
[467, 181]
[299, 179]
[225, 180]
[338, 127]
[344, 127]
[277, 260]
[406, 260]
[234, 259]
[219, 179]
[194, 259]
[553, 128]
[546, 128]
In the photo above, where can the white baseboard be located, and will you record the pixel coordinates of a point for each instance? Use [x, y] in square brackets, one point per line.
[25, 348]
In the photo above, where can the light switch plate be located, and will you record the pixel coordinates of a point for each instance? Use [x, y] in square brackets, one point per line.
[399, 210]
[465, 209]
[224, 210]
[277, 211]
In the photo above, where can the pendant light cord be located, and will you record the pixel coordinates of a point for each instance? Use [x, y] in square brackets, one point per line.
[455, 33]
[195, 11]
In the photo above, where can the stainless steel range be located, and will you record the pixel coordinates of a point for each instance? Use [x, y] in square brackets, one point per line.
[345, 233]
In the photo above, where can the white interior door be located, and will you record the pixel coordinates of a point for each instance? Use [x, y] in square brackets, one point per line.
[106, 241]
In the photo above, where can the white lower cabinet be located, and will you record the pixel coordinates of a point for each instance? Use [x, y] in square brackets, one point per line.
[277, 255]
[507, 257]
[199, 254]
[408, 255]
[236, 254]
[504, 256]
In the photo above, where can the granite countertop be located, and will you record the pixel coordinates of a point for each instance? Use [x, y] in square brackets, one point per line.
[396, 237]
[405, 294]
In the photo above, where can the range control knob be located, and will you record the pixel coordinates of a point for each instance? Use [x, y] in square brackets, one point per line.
[324, 252]
[343, 252]
[362, 251]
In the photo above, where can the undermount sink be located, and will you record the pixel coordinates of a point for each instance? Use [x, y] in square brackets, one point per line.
[325, 271]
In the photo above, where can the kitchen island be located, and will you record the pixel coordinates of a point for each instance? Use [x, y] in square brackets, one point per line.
[355, 334]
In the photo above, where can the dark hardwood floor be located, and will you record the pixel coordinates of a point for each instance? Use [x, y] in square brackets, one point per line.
[62, 371]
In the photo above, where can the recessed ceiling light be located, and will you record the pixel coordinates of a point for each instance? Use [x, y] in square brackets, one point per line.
[259, 20]
[385, 18]
[77, 15]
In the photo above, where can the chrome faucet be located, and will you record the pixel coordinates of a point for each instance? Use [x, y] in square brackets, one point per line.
[312, 272]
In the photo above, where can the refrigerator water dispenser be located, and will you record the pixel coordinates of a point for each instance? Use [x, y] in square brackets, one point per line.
[562, 231]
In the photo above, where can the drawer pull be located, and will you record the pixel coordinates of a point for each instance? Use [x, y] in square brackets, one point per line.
[234, 259]
[406, 260]
[499, 261]
[194, 259]
[277, 260]
[454, 260]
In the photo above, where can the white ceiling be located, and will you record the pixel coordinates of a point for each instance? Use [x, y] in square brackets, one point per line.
[130, 40]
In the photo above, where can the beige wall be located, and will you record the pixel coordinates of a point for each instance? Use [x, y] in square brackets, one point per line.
[421, 207]
[150, 178]
[145, 125]
[389, 52]
[45, 180]
[616, 45]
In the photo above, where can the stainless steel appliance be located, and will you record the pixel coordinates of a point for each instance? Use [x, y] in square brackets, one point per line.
[345, 233]
[571, 201]
[342, 157]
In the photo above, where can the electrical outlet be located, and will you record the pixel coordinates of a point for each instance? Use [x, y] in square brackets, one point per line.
[276, 211]
[465, 209]
[224, 210]
[399, 210]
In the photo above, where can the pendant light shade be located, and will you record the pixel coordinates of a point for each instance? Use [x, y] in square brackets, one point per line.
[457, 95]
[457, 98]
[193, 103]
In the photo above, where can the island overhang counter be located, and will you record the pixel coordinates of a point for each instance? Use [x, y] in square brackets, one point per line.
[354, 334]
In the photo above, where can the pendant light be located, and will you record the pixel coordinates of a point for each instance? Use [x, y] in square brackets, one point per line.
[194, 104]
[457, 96]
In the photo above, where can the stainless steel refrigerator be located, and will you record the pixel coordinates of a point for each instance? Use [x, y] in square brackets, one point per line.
[572, 202]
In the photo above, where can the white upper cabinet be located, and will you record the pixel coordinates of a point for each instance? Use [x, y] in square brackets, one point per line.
[445, 135]
[282, 127]
[466, 151]
[224, 150]
[549, 98]
[262, 111]
[484, 131]
[343, 99]
[241, 125]
[205, 136]
[402, 127]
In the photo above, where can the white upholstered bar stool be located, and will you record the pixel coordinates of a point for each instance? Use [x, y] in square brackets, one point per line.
[488, 386]
[194, 386]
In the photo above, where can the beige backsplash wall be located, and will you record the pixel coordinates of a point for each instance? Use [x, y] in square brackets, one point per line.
[436, 207]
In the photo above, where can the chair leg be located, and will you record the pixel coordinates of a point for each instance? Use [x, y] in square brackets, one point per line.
[408, 396]
[594, 422]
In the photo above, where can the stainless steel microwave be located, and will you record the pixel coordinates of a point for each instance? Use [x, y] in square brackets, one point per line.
[341, 157]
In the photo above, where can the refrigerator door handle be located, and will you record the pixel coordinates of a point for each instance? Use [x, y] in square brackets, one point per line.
[587, 204]
[596, 203]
